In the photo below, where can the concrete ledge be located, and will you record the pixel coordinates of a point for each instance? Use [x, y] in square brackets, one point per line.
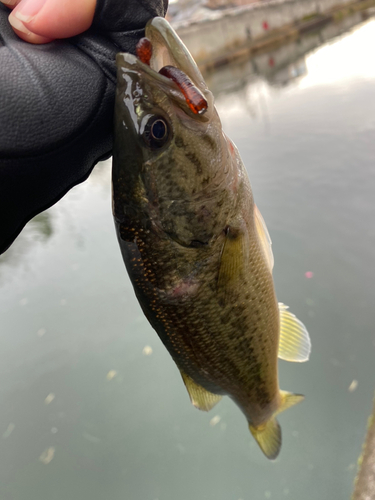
[257, 28]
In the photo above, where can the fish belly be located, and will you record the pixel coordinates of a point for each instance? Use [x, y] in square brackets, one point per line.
[228, 347]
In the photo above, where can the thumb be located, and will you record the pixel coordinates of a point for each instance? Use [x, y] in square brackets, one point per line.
[40, 21]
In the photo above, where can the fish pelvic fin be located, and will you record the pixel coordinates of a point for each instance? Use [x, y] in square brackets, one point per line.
[199, 397]
[294, 343]
[288, 399]
[268, 437]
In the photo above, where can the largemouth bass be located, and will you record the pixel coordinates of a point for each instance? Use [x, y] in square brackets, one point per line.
[195, 246]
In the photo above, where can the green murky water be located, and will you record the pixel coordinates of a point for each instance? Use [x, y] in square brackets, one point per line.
[91, 405]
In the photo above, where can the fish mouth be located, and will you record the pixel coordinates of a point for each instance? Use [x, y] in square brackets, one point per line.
[167, 51]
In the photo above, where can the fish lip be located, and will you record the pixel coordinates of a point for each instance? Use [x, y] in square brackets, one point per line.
[168, 49]
[136, 81]
[130, 68]
[128, 63]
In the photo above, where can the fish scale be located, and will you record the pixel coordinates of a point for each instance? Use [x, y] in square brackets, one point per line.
[195, 245]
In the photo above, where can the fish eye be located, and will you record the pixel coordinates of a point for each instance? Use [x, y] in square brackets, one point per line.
[158, 130]
[155, 132]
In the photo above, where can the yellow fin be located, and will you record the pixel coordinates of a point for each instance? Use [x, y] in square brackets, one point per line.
[200, 397]
[288, 399]
[234, 258]
[264, 237]
[268, 437]
[294, 343]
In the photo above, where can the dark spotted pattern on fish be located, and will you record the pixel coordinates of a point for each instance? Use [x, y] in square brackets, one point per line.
[176, 210]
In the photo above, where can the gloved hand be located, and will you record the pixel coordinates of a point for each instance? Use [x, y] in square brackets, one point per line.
[56, 108]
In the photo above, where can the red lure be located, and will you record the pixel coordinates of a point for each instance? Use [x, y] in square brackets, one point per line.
[194, 98]
[144, 50]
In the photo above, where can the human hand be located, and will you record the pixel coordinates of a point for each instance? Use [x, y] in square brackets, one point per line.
[57, 98]
[41, 21]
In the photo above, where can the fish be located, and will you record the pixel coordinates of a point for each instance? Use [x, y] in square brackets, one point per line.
[194, 243]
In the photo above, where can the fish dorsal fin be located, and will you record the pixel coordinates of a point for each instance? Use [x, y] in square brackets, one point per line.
[288, 399]
[268, 437]
[233, 261]
[294, 343]
[200, 397]
[264, 237]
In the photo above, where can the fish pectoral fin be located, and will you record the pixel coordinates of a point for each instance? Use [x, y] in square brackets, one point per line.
[234, 258]
[294, 343]
[288, 399]
[200, 397]
[268, 437]
[264, 237]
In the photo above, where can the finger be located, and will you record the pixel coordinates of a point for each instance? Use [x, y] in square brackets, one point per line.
[24, 33]
[39, 21]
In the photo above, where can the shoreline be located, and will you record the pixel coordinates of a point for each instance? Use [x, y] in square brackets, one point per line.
[237, 45]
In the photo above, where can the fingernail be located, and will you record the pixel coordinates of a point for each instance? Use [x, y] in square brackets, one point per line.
[18, 25]
[27, 9]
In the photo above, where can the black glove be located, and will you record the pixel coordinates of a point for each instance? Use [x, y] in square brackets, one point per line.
[56, 108]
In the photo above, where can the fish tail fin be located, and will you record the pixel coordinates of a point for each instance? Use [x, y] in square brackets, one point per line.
[288, 399]
[268, 437]
[268, 434]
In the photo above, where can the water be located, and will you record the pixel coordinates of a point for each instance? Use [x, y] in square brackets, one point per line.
[91, 405]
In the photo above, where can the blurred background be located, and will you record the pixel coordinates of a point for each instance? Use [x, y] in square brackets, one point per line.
[91, 405]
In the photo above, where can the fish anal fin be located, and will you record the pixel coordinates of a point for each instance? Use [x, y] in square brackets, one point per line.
[294, 343]
[233, 261]
[200, 397]
[264, 237]
[289, 399]
[268, 437]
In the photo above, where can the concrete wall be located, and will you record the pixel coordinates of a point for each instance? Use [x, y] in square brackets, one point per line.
[278, 66]
[210, 38]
